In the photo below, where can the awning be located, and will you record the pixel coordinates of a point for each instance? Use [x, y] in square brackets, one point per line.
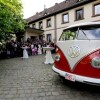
[34, 31]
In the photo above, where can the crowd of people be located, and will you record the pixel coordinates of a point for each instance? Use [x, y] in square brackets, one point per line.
[14, 48]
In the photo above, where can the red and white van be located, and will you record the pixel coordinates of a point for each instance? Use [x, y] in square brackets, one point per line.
[78, 53]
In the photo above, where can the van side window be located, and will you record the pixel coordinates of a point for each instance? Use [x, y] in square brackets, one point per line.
[68, 35]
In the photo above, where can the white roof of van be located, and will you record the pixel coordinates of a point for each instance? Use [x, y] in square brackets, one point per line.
[84, 24]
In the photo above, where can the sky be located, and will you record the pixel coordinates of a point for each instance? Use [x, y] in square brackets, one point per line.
[30, 7]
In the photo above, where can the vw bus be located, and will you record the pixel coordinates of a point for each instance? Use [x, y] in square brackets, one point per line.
[77, 55]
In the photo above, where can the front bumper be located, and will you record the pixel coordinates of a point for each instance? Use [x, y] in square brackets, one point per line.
[83, 79]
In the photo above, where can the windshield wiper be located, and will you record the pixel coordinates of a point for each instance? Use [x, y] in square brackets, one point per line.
[84, 34]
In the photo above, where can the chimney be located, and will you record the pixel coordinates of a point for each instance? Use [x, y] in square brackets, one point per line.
[56, 3]
[36, 13]
[44, 6]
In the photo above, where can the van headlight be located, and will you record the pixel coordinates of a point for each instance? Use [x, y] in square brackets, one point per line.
[57, 57]
[95, 62]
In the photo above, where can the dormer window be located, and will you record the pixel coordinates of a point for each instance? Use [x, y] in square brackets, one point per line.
[45, 14]
[80, 0]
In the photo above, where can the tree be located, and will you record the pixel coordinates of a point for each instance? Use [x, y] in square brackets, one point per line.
[11, 18]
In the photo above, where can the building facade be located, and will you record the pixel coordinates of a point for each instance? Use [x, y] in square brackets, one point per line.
[56, 18]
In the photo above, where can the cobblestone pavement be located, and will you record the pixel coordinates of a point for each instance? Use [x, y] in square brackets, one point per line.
[31, 79]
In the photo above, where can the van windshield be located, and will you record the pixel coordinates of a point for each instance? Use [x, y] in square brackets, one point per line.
[81, 33]
[91, 33]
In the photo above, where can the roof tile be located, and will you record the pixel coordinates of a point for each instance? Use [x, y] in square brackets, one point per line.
[54, 9]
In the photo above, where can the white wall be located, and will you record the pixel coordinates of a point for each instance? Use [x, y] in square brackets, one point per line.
[87, 17]
[60, 27]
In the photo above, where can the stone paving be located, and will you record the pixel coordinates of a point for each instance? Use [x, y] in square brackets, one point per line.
[31, 79]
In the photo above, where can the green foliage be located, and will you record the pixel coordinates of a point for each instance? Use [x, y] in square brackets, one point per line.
[68, 35]
[11, 18]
